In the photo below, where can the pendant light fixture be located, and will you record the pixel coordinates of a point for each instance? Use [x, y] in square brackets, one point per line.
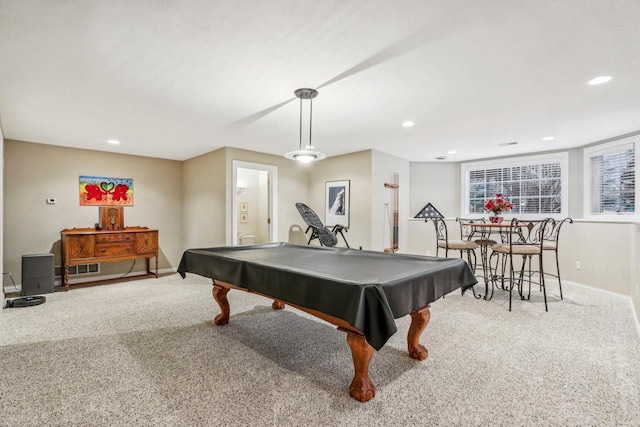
[305, 155]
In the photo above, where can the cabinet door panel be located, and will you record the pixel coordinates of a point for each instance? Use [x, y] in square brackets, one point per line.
[81, 247]
[147, 243]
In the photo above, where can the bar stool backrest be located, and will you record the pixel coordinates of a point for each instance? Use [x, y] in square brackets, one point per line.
[441, 229]
[466, 231]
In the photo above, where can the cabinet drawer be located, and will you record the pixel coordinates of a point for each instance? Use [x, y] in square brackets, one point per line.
[115, 249]
[119, 237]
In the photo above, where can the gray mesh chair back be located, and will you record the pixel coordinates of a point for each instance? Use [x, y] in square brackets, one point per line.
[318, 229]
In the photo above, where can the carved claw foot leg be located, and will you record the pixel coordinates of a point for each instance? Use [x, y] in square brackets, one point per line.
[419, 320]
[277, 305]
[220, 295]
[361, 387]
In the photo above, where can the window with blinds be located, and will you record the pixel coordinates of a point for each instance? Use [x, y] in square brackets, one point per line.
[610, 178]
[535, 185]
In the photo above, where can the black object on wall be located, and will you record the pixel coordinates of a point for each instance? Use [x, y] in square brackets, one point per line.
[37, 274]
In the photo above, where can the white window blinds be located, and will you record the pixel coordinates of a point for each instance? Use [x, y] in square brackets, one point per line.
[612, 178]
[535, 185]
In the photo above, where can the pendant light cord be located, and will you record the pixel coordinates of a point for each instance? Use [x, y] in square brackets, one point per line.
[300, 145]
[310, 122]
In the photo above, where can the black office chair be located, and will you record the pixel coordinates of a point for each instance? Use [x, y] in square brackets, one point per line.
[318, 229]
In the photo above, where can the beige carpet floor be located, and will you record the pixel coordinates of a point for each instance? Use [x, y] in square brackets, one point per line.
[146, 353]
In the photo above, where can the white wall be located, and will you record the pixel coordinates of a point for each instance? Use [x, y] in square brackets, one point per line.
[248, 180]
[253, 190]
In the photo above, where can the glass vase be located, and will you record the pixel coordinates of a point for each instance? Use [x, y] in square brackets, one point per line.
[495, 218]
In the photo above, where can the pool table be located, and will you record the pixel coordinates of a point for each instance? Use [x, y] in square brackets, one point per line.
[360, 292]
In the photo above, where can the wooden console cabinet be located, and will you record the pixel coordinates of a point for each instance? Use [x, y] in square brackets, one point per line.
[88, 245]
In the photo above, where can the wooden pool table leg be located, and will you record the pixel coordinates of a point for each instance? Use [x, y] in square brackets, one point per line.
[419, 320]
[361, 387]
[220, 295]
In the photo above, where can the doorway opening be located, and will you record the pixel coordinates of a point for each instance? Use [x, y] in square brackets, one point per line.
[254, 203]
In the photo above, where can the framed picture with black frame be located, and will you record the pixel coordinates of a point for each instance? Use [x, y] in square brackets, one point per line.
[337, 203]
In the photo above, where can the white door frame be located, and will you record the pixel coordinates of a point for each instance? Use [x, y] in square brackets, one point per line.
[232, 238]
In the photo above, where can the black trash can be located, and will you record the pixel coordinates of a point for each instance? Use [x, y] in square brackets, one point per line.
[37, 274]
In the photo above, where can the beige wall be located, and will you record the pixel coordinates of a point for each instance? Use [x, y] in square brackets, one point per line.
[34, 172]
[438, 184]
[355, 167]
[383, 169]
[189, 203]
[204, 203]
[2, 210]
[293, 187]
[606, 250]
[635, 271]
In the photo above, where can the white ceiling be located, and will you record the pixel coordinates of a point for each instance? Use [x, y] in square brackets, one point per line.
[175, 79]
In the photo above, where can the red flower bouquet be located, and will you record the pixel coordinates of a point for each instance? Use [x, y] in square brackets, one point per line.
[498, 205]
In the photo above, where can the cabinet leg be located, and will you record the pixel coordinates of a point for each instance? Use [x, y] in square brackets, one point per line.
[66, 278]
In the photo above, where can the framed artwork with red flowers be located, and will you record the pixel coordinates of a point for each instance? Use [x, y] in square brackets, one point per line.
[101, 191]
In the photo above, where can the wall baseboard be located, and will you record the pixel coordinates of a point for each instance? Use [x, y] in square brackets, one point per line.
[627, 297]
[10, 289]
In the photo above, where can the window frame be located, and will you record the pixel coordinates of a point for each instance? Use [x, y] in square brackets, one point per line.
[560, 157]
[605, 148]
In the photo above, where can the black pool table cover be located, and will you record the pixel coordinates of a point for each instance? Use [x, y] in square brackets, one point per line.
[366, 289]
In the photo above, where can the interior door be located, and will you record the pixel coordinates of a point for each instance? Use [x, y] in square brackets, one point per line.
[253, 204]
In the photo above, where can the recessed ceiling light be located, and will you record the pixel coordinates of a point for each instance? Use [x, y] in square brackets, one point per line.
[408, 124]
[503, 144]
[548, 138]
[599, 80]
[310, 147]
[441, 157]
[452, 152]
[113, 141]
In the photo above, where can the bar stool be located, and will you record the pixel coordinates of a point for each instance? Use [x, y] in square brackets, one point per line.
[524, 239]
[550, 243]
[467, 233]
[462, 245]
